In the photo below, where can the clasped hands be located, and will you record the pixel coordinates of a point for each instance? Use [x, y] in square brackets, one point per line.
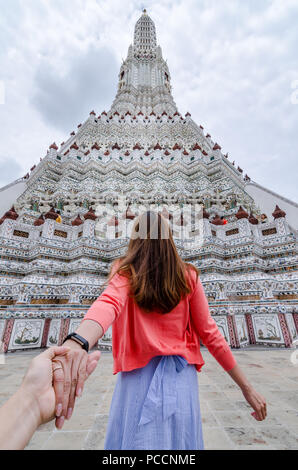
[70, 371]
[56, 378]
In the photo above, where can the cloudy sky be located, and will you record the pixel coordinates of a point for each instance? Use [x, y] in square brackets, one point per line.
[233, 65]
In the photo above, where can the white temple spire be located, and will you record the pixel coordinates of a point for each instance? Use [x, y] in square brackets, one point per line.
[145, 35]
[144, 78]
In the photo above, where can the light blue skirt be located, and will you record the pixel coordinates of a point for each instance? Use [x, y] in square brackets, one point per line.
[156, 407]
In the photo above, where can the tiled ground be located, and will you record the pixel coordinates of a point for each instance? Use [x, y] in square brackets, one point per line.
[227, 423]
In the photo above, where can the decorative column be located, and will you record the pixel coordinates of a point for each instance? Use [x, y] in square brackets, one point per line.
[2, 329]
[74, 296]
[23, 296]
[282, 227]
[206, 224]
[88, 228]
[77, 225]
[244, 228]
[48, 228]
[254, 226]
[45, 333]
[243, 223]
[250, 328]
[6, 228]
[295, 317]
[89, 223]
[284, 329]
[7, 334]
[63, 330]
[35, 234]
[233, 331]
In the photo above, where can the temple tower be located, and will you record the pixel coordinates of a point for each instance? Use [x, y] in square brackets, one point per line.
[143, 152]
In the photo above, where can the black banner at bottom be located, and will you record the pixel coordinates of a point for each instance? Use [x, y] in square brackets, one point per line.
[136, 459]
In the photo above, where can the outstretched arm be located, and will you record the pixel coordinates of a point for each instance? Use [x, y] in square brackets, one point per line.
[33, 403]
[69, 380]
[256, 401]
[209, 332]
[207, 329]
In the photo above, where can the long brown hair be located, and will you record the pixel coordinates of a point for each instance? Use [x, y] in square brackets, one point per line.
[156, 272]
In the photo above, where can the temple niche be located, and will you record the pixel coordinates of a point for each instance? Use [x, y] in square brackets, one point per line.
[74, 215]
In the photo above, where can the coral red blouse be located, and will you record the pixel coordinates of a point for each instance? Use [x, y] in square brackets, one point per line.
[138, 336]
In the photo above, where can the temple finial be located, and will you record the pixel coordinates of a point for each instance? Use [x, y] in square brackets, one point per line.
[145, 35]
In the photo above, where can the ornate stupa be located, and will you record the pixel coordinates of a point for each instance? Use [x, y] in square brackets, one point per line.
[65, 221]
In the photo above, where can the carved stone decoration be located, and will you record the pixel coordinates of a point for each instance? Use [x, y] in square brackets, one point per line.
[285, 330]
[267, 329]
[234, 342]
[2, 328]
[242, 331]
[277, 213]
[250, 329]
[253, 220]
[54, 333]
[7, 333]
[73, 325]
[26, 334]
[222, 324]
[45, 333]
[291, 327]
[241, 214]
[105, 343]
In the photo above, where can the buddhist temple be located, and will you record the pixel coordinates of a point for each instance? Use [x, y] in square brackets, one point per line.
[143, 152]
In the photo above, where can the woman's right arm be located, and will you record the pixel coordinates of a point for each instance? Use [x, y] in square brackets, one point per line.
[69, 381]
[256, 401]
[207, 329]
[212, 338]
[88, 329]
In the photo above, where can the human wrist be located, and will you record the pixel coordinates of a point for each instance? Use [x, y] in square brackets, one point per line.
[237, 375]
[71, 343]
[29, 404]
[246, 387]
[22, 416]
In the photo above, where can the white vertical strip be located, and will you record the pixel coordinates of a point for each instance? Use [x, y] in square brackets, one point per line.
[2, 92]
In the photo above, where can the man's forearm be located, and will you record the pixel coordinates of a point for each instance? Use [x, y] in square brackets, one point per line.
[88, 329]
[19, 418]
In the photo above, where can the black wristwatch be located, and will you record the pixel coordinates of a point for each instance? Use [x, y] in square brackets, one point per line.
[79, 339]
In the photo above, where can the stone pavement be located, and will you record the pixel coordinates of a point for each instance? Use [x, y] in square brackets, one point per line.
[227, 423]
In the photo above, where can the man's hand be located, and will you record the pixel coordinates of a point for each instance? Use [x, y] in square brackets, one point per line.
[69, 374]
[37, 383]
[34, 402]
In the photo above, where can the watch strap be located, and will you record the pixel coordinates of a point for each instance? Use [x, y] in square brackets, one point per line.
[79, 339]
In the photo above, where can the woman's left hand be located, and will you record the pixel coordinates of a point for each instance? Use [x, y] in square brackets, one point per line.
[38, 381]
[70, 373]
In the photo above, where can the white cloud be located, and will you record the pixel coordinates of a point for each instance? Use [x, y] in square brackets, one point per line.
[232, 64]
[9, 170]
[58, 97]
